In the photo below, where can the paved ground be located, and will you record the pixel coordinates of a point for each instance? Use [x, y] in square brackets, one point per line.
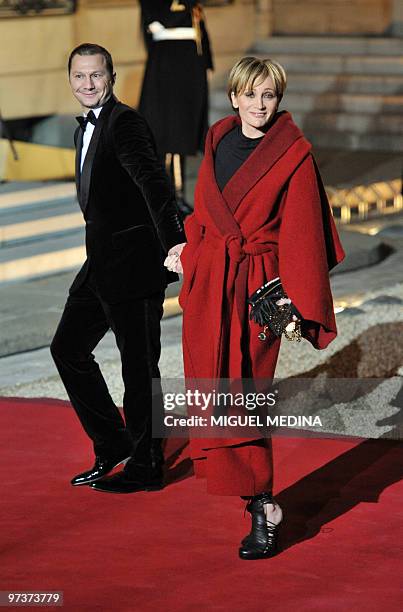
[368, 346]
[31, 310]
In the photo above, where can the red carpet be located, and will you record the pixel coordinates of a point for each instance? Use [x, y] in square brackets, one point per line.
[176, 550]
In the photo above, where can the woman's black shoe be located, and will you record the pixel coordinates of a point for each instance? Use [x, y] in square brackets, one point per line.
[262, 542]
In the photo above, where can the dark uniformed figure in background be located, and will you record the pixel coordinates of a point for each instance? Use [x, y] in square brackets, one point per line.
[174, 97]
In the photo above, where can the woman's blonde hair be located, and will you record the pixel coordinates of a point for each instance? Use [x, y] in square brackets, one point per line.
[248, 70]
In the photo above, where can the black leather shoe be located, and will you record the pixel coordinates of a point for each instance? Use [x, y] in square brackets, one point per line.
[262, 542]
[101, 468]
[122, 483]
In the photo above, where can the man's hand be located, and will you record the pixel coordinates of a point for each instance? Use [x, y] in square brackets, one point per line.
[173, 262]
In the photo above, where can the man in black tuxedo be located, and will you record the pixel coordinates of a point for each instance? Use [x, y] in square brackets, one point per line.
[132, 222]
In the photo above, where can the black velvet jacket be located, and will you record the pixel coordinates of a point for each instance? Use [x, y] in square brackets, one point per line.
[129, 207]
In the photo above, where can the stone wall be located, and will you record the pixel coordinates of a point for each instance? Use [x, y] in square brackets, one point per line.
[34, 51]
[350, 17]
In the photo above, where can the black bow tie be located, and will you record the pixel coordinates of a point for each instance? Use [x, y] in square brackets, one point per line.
[90, 118]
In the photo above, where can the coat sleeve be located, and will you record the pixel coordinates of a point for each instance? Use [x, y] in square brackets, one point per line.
[309, 247]
[134, 146]
[194, 237]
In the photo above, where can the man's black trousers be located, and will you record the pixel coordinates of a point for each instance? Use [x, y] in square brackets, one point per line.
[136, 325]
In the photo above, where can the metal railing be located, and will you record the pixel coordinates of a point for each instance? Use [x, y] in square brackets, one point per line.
[362, 201]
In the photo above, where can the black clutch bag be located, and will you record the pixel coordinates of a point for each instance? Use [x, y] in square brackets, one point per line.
[266, 312]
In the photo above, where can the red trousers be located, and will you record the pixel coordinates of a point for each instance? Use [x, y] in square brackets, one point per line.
[242, 470]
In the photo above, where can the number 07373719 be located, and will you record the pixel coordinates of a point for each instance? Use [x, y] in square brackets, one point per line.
[31, 598]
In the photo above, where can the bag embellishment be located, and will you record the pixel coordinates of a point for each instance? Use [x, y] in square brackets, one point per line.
[277, 318]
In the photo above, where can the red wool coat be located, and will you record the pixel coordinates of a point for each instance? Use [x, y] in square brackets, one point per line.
[271, 219]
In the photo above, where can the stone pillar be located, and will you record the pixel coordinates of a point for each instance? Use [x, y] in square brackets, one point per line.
[397, 18]
[264, 18]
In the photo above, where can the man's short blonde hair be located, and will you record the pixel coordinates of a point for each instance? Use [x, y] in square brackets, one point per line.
[250, 70]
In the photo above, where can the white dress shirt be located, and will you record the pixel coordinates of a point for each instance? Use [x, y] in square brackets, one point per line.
[89, 130]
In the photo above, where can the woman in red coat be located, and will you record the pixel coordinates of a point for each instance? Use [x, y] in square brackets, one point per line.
[260, 213]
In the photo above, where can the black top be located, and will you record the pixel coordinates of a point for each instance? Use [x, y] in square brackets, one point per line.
[232, 150]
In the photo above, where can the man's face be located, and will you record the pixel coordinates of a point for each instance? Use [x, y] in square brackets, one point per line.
[90, 80]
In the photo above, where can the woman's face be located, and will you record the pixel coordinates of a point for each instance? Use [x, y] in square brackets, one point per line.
[256, 107]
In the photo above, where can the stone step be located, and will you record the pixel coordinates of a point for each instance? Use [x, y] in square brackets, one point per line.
[330, 102]
[339, 121]
[353, 141]
[37, 211]
[19, 196]
[43, 257]
[344, 122]
[305, 82]
[36, 222]
[29, 231]
[337, 45]
[33, 214]
[324, 133]
[344, 103]
[342, 64]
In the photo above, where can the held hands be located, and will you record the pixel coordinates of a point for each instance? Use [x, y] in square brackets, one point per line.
[173, 262]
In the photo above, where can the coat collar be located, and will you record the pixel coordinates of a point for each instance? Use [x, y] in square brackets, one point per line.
[283, 133]
[83, 179]
[280, 137]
